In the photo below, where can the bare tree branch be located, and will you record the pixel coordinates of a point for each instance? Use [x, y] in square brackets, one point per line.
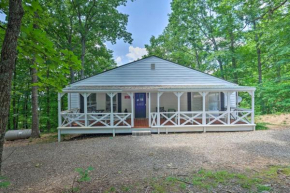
[270, 11]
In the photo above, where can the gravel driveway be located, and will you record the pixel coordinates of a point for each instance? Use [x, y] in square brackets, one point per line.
[124, 159]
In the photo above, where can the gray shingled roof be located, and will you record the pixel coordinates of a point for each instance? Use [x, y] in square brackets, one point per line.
[138, 75]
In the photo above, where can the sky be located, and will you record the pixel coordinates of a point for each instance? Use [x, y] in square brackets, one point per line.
[146, 18]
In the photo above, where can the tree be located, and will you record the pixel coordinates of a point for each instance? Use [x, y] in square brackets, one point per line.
[49, 44]
[7, 65]
[245, 42]
[101, 21]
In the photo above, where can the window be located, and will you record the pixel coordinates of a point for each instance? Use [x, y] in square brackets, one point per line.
[152, 66]
[92, 102]
[108, 103]
[213, 101]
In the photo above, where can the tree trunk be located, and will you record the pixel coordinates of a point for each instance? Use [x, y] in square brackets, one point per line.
[258, 49]
[47, 104]
[221, 67]
[72, 75]
[260, 80]
[9, 121]
[197, 59]
[234, 62]
[17, 112]
[7, 64]
[14, 100]
[259, 62]
[83, 41]
[25, 109]
[34, 97]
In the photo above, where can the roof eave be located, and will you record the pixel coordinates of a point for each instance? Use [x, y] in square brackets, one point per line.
[238, 88]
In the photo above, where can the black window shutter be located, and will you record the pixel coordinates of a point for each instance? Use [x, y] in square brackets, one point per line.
[119, 102]
[81, 104]
[189, 101]
[222, 101]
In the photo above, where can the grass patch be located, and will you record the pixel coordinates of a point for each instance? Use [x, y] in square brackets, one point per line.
[261, 126]
[213, 181]
[4, 182]
[274, 171]
[208, 180]
[261, 188]
[125, 188]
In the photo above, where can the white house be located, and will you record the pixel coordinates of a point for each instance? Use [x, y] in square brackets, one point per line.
[155, 95]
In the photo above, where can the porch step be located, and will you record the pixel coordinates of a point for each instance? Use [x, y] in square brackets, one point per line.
[141, 133]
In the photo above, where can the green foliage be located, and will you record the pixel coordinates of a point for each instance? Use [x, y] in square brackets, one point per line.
[261, 126]
[213, 181]
[4, 182]
[210, 180]
[125, 189]
[226, 38]
[84, 174]
[50, 41]
[262, 188]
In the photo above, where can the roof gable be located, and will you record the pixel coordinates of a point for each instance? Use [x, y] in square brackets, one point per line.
[140, 73]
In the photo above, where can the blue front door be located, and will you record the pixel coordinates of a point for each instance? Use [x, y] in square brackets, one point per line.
[140, 105]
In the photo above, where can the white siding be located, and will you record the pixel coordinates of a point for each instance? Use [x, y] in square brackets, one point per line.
[196, 101]
[126, 103]
[233, 100]
[75, 100]
[101, 101]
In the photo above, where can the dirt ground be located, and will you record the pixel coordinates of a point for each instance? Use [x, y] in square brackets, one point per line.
[279, 121]
[47, 166]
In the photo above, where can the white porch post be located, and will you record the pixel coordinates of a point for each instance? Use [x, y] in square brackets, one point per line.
[237, 99]
[59, 109]
[86, 108]
[132, 109]
[158, 109]
[59, 116]
[237, 103]
[112, 110]
[229, 107]
[203, 94]
[111, 95]
[178, 94]
[149, 109]
[253, 107]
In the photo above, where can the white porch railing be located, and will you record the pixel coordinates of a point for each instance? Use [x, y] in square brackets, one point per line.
[241, 115]
[216, 117]
[70, 119]
[95, 119]
[187, 118]
[191, 118]
[169, 118]
[121, 118]
[101, 119]
[153, 117]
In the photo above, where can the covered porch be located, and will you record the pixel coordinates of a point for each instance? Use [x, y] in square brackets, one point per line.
[166, 110]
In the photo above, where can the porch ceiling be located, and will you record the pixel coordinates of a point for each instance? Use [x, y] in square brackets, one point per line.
[153, 88]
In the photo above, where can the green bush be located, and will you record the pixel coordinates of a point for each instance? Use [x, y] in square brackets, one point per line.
[261, 126]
